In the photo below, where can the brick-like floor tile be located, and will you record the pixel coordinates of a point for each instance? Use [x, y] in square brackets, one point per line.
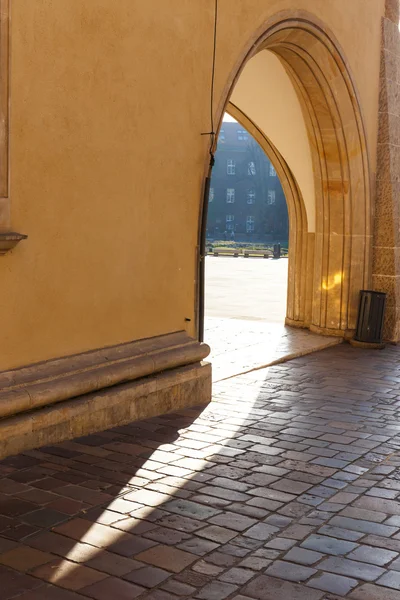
[165, 557]
[261, 531]
[374, 556]
[13, 507]
[237, 575]
[50, 592]
[279, 590]
[68, 574]
[390, 579]
[113, 588]
[148, 577]
[25, 558]
[290, 571]
[351, 568]
[216, 590]
[336, 584]
[369, 591]
[233, 521]
[217, 533]
[328, 545]
[303, 556]
[14, 583]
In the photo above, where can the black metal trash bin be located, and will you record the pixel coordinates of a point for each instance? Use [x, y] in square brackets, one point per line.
[370, 317]
[277, 250]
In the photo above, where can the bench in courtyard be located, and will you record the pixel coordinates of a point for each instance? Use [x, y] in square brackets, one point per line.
[223, 252]
[260, 253]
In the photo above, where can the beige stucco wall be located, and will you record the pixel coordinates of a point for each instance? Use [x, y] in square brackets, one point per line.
[265, 94]
[108, 101]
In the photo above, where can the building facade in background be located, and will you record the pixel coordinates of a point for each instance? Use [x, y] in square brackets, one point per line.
[246, 200]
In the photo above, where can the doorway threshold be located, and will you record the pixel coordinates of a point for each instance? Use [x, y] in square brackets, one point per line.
[239, 346]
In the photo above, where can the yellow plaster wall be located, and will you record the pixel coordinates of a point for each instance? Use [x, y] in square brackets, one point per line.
[108, 100]
[259, 91]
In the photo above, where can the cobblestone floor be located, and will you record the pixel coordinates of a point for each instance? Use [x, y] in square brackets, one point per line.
[287, 487]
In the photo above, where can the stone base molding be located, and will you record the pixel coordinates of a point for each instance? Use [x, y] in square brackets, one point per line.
[69, 397]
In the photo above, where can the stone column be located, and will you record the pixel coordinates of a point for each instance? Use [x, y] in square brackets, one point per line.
[386, 240]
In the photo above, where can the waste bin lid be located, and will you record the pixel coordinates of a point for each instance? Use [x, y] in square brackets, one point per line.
[372, 292]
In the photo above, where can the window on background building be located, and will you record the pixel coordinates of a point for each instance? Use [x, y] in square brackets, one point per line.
[250, 224]
[221, 137]
[251, 168]
[272, 172]
[251, 197]
[211, 195]
[242, 135]
[271, 197]
[230, 195]
[230, 222]
[230, 166]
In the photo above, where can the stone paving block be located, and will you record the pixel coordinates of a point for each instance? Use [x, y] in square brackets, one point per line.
[68, 575]
[113, 588]
[303, 556]
[190, 509]
[261, 531]
[297, 532]
[216, 533]
[328, 545]
[364, 515]
[363, 526]
[178, 588]
[351, 568]
[165, 557]
[290, 486]
[216, 590]
[281, 543]
[25, 558]
[254, 562]
[237, 575]
[374, 556]
[148, 577]
[390, 507]
[269, 588]
[110, 563]
[233, 521]
[199, 546]
[207, 568]
[278, 520]
[339, 532]
[180, 523]
[290, 571]
[382, 542]
[343, 498]
[336, 584]
[369, 591]
[382, 493]
[50, 592]
[14, 584]
[220, 559]
[390, 579]
[222, 493]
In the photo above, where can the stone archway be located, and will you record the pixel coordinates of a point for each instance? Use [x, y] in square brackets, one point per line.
[338, 257]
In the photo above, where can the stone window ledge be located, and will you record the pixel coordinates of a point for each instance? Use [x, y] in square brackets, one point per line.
[9, 239]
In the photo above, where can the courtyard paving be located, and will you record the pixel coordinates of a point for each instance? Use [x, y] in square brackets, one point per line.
[286, 487]
[245, 314]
